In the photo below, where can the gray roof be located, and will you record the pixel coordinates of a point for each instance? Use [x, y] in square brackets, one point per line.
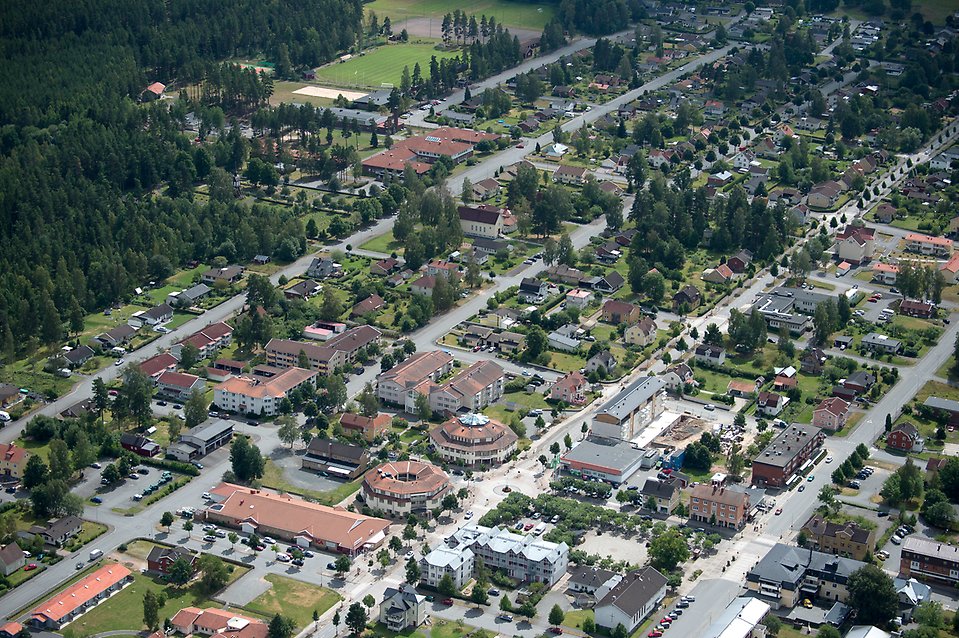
[403, 598]
[608, 453]
[787, 445]
[632, 396]
[938, 403]
[197, 291]
[787, 566]
[591, 576]
[660, 489]
[11, 554]
[209, 429]
[635, 591]
[876, 339]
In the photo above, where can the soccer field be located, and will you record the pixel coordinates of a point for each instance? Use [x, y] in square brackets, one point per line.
[382, 65]
[526, 15]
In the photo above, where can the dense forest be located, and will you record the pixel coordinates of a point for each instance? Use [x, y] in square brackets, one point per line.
[95, 189]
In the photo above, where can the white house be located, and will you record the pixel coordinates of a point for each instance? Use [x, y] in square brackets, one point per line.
[631, 600]
[402, 608]
[455, 561]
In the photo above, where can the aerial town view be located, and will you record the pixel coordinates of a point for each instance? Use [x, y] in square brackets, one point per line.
[523, 318]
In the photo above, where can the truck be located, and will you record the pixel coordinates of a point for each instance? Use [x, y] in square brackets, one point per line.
[96, 554]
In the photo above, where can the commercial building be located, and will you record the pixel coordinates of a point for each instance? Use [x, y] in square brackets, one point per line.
[481, 221]
[403, 487]
[398, 385]
[217, 622]
[294, 520]
[741, 619]
[610, 460]
[844, 539]
[719, 504]
[199, 441]
[632, 409]
[258, 396]
[339, 459]
[458, 562]
[473, 440]
[929, 560]
[787, 575]
[634, 598]
[80, 597]
[786, 456]
[420, 151]
[523, 557]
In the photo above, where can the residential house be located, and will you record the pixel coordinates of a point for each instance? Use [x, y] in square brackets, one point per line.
[592, 583]
[189, 297]
[721, 274]
[56, 532]
[579, 298]
[566, 174]
[571, 388]
[118, 336]
[641, 333]
[831, 414]
[709, 354]
[714, 109]
[601, 360]
[483, 247]
[688, 297]
[885, 212]
[859, 381]
[824, 195]
[156, 316]
[720, 179]
[302, 290]
[532, 290]
[321, 268]
[76, 357]
[842, 539]
[565, 275]
[508, 342]
[139, 444]
[950, 269]
[677, 377]
[739, 262]
[770, 403]
[906, 438]
[179, 386]
[371, 304]
[402, 608]
[916, 308]
[663, 493]
[885, 273]
[617, 312]
[369, 427]
[12, 559]
[222, 623]
[608, 283]
[384, 267]
[742, 388]
[155, 366]
[161, 558]
[224, 276]
[423, 286]
[441, 268]
[631, 601]
[484, 189]
[881, 343]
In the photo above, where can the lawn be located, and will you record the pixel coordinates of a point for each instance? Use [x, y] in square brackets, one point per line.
[384, 243]
[565, 361]
[523, 403]
[294, 599]
[527, 15]
[382, 65]
[576, 617]
[124, 610]
[283, 92]
[935, 388]
[273, 478]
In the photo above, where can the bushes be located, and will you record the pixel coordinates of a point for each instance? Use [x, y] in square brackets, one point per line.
[172, 465]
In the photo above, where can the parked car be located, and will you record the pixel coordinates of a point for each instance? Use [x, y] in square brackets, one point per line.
[209, 538]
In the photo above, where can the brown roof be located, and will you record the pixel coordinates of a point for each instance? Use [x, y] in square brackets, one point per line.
[480, 216]
[352, 421]
[571, 380]
[354, 339]
[178, 379]
[833, 405]
[296, 516]
[615, 306]
[420, 365]
[80, 593]
[157, 364]
[13, 453]
[491, 435]
[370, 304]
[819, 526]
[720, 495]
[473, 379]
[276, 386]
[406, 478]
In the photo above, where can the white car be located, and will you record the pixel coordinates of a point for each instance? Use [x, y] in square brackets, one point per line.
[469, 515]
[283, 558]
[828, 459]
[118, 362]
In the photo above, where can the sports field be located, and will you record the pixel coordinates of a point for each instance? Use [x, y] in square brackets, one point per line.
[526, 15]
[382, 65]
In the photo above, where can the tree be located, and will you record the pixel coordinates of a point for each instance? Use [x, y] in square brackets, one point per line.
[620, 631]
[556, 615]
[35, 472]
[281, 627]
[668, 549]
[246, 460]
[341, 565]
[356, 618]
[289, 432]
[214, 574]
[395, 544]
[828, 631]
[194, 410]
[233, 537]
[536, 342]
[940, 515]
[59, 460]
[331, 307]
[873, 596]
[412, 571]
[181, 571]
[423, 409]
[589, 625]
[504, 604]
[189, 356]
[166, 520]
[480, 593]
[188, 527]
[929, 614]
[446, 585]
[369, 404]
[101, 397]
[152, 603]
[568, 442]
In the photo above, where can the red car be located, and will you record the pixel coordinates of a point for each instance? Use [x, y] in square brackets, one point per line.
[30, 567]
[666, 621]
[528, 527]
[655, 633]
[779, 511]
[555, 630]
[447, 601]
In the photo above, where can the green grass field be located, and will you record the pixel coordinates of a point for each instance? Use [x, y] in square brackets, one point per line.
[294, 599]
[383, 64]
[526, 15]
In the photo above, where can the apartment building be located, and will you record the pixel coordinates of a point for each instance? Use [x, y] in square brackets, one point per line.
[844, 539]
[335, 353]
[780, 462]
[398, 385]
[525, 557]
[455, 561]
[719, 504]
[930, 561]
[255, 395]
[787, 575]
[473, 389]
[632, 409]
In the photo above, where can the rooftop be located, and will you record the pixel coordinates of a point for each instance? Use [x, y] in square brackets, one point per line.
[80, 593]
[606, 453]
[631, 397]
[787, 445]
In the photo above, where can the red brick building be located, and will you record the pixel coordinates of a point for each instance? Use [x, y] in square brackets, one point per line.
[905, 437]
[786, 455]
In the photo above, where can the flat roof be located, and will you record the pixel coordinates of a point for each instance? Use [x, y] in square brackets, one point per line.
[787, 445]
[606, 453]
[631, 397]
[210, 429]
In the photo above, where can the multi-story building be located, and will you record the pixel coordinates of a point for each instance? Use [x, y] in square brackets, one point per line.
[255, 395]
[337, 459]
[473, 440]
[631, 410]
[787, 575]
[524, 557]
[926, 245]
[831, 414]
[337, 352]
[13, 460]
[402, 608]
[845, 539]
[403, 487]
[929, 560]
[719, 504]
[456, 561]
[786, 455]
[398, 385]
[217, 622]
[473, 389]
